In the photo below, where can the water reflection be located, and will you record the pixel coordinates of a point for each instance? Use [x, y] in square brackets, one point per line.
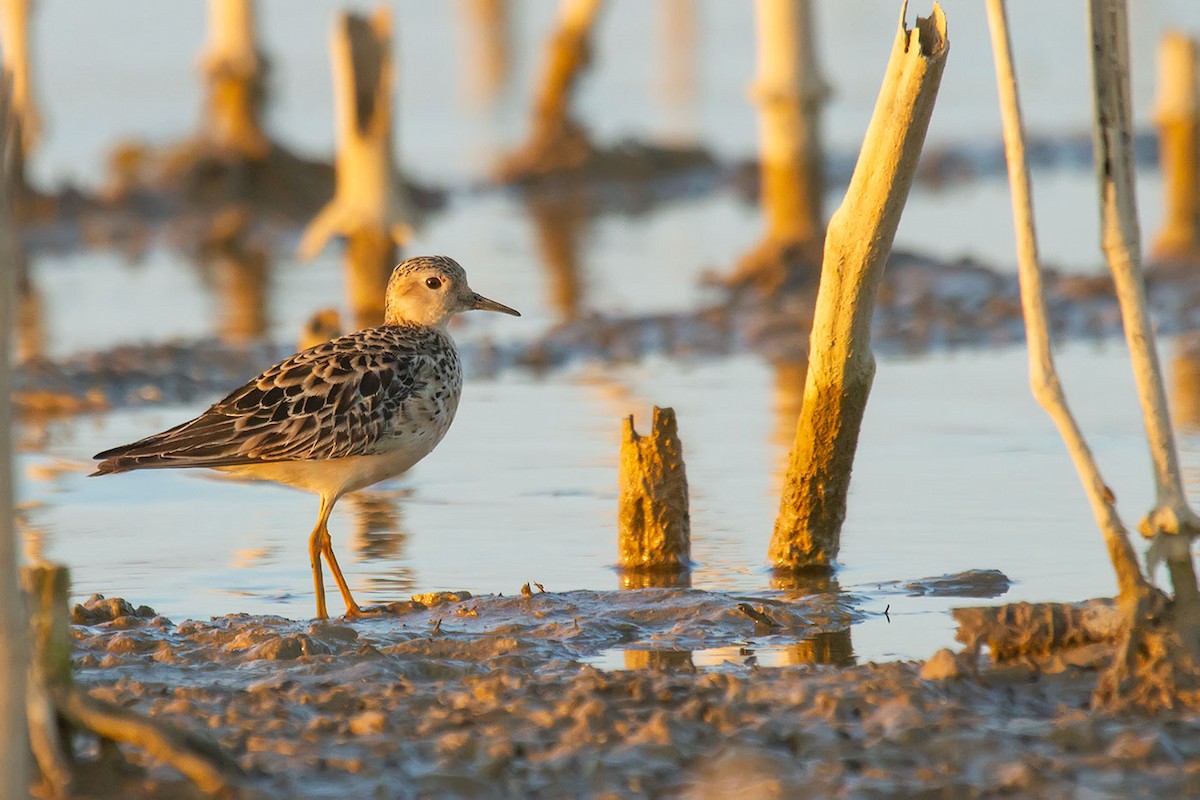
[31, 313]
[1185, 383]
[560, 224]
[240, 279]
[657, 579]
[787, 400]
[379, 536]
[830, 649]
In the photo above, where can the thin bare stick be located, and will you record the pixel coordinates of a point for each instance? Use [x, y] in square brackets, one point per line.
[1043, 376]
[14, 736]
[1171, 523]
[14, 28]
[210, 769]
[857, 244]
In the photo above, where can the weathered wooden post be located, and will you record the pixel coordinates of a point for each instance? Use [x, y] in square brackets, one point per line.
[841, 366]
[236, 74]
[14, 31]
[370, 206]
[1178, 118]
[790, 94]
[653, 519]
[14, 734]
[556, 140]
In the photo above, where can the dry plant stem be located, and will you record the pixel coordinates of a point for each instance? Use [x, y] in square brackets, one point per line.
[1043, 376]
[857, 243]
[234, 70]
[1178, 118]
[14, 735]
[654, 526]
[789, 92]
[14, 30]
[202, 763]
[47, 587]
[1171, 522]
[369, 195]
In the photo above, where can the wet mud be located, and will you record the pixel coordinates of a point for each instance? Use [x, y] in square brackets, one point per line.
[453, 695]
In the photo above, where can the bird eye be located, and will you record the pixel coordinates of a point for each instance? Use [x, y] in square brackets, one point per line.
[433, 283]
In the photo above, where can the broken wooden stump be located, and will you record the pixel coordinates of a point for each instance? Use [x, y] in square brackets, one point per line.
[653, 520]
[790, 94]
[57, 709]
[370, 206]
[1178, 118]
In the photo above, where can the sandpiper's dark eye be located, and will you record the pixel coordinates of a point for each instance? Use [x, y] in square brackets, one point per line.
[433, 283]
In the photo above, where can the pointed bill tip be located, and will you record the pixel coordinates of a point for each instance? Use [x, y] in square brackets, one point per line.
[482, 303]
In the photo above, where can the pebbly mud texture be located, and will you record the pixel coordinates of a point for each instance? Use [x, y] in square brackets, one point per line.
[493, 697]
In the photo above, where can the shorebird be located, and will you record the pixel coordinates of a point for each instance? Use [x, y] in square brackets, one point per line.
[339, 416]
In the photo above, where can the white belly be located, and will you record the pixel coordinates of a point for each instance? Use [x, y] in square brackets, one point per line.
[336, 476]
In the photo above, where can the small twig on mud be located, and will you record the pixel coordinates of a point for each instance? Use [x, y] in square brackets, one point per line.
[526, 591]
[760, 617]
[886, 614]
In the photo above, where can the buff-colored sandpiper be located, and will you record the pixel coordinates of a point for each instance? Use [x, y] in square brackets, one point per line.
[340, 416]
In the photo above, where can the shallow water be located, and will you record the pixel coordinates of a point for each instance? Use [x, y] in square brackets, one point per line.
[957, 468]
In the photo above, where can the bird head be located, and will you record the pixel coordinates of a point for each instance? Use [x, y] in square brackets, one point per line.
[429, 290]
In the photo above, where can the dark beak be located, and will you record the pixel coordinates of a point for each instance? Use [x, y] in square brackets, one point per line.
[481, 303]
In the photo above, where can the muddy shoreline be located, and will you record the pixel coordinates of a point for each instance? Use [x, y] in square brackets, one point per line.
[494, 697]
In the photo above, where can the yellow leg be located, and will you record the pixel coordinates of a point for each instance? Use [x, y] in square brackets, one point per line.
[352, 609]
[316, 541]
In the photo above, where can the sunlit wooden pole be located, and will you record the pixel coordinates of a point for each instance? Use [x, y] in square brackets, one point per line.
[14, 34]
[235, 71]
[857, 243]
[370, 205]
[1171, 523]
[790, 93]
[1043, 376]
[556, 141]
[1177, 115]
[14, 734]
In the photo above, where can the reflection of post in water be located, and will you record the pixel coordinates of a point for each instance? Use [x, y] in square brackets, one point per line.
[560, 223]
[788, 398]
[790, 94]
[658, 659]
[379, 536]
[240, 272]
[488, 53]
[833, 647]
[677, 82]
[1185, 382]
[370, 207]
[31, 313]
